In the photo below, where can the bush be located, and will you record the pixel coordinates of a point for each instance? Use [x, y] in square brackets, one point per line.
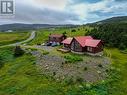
[100, 66]
[69, 81]
[79, 79]
[18, 51]
[73, 30]
[122, 46]
[45, 53]
[72, 59]
[85, 69]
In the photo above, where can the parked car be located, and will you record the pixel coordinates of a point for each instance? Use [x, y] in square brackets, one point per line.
[54, 44]
[48, 44]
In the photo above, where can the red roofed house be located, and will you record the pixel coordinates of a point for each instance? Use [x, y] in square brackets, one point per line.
[58, 38]
[83, 44]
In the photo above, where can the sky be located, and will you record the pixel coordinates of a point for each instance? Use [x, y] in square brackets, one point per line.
[65, 11]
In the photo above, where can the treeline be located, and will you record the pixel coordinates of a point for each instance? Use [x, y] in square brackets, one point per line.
[113, 35]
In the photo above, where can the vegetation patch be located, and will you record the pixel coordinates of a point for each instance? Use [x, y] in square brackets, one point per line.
[73, 58]
[9, 38]
[45, 52]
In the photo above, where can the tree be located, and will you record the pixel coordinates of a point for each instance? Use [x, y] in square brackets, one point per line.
[18, 51]
[122, 46]
[64, 33]
[73, 30]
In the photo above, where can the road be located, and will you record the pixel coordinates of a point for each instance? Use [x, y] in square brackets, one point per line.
[32, 36]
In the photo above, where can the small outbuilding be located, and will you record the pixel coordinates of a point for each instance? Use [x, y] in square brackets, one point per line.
[57, 38]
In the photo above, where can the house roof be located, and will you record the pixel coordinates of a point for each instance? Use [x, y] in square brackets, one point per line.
[92, 42]
[82, 40]
[56, 35]
[67, 41]
[87, 41]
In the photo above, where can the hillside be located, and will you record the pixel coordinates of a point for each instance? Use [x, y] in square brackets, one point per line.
[120, 19]
[112, 31]
[20, 26]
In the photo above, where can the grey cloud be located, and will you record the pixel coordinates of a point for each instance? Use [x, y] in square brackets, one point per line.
[29, 14]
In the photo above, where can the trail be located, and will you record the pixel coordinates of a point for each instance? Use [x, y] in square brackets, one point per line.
[32, 36]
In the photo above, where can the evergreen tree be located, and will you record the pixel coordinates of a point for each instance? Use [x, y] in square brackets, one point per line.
[18, 51]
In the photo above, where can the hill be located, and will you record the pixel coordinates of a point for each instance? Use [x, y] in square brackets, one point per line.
[20, 26]
[112, 31]
[120, 19]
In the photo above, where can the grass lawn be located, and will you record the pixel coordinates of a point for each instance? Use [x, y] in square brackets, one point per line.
[119, 61]
[19, 76]
[9, 38]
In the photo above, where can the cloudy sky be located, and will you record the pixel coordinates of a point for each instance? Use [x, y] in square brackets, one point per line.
[65, 11]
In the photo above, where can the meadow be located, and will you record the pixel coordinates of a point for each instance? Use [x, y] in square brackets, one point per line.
[9, 38]
[20, 76]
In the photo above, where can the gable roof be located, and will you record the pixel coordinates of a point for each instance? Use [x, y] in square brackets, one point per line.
[87, 41]
[92, 42]
[56, 35]
[82, 40]
[67, 41]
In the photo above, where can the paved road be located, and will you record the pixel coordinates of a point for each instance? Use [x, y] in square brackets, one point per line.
[32, 36]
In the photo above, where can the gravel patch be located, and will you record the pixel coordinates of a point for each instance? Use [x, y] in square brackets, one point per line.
[92, 69]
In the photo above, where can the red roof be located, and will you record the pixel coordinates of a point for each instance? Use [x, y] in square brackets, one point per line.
[82, 40]
[92, 42]
[56, 35]
[87, 41]
[67, 41]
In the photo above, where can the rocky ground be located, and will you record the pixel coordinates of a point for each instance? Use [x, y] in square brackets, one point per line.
[91, 69]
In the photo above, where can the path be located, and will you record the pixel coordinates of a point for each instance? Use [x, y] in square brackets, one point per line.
[32, 36]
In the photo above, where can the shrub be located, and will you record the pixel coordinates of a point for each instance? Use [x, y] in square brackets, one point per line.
[72, 59]
[100, 66]
[73, 30]
[18, 51]
[122, 46]
[85, 69]
[79, 79]
[45, 53]
[69, 81]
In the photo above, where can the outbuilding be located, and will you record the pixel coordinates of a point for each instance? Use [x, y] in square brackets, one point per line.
[57, 38]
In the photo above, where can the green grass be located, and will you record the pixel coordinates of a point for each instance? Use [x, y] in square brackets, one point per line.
[72, 58]
[119, 62]
[20, 76]
[9, 38]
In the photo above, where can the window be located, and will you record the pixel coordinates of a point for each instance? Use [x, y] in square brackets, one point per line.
[89, 49]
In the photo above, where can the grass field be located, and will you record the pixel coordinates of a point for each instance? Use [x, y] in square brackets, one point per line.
[119, 61]
[9, 38]
[19, 76]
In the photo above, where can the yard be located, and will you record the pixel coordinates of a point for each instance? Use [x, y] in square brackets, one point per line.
[9, 38]
[64, 66]
[20, 76]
